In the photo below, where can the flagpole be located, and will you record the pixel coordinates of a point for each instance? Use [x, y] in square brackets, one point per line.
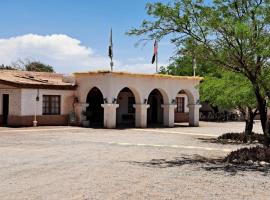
[111, 64]
[157, 62]
[194, 66]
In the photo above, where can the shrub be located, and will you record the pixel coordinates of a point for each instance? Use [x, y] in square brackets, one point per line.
[242, 137]
[258, 153]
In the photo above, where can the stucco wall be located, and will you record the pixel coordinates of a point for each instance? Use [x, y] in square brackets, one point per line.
[28, 100]
[14, 99]
[110, 86]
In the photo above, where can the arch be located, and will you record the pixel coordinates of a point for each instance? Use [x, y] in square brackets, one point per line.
[190, 96]
[183, 99]
[135, 93]
[94, 111]
[155, 111]
[163, 93]
[125, 113]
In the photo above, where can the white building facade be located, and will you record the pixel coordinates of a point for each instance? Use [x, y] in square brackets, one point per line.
[98, 99]
[138, 99]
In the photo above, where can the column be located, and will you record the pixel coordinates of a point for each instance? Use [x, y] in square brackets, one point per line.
[80, 109]
[110, 115]
[141, 115]
[194, 114]
[168, 114]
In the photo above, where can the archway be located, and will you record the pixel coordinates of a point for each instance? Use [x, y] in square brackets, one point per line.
[155, 111]
[183, 100]
[94, 112]
[125, 114]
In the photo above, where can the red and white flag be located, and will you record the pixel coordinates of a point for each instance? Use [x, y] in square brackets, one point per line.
[154, 58]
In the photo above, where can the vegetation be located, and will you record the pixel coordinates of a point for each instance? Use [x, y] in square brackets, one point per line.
[253, 154]
[240, 138]
[38, 67]
[28, 66]
[234, 35]
[231, 91]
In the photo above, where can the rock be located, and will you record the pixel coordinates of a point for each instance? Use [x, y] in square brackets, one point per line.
[250, 162]
[263, 163]
[256, 163]
[235, 161]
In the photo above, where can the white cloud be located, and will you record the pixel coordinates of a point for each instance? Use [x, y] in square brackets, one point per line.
[139, 67]
[66, 54]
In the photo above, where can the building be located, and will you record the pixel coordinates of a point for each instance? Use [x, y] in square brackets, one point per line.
[106, 99]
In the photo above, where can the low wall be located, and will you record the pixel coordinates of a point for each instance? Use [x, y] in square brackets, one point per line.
[43, 120]
[181, 117]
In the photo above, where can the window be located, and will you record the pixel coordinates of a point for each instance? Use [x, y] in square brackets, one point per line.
[131, 101]
[180, 102]
[51, 105]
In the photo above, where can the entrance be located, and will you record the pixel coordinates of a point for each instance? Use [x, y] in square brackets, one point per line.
[95, 112]
[125, 111]
[5, 108]
[155, 111]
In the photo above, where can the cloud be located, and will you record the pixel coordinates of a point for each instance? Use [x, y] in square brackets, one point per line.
[139, 68]
[65, 53]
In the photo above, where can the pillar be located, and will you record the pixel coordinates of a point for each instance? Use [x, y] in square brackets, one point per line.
[80, 109]
[141, 115]
[110, 115]
[194, 114]
[168, 114]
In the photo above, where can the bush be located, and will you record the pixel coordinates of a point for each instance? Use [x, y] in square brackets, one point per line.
[242, 137]
[256, 154]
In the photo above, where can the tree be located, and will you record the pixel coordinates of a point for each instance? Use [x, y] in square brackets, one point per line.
[28, 65]
[6, 67]
[231, 91]
[38, 67]
[232, 34]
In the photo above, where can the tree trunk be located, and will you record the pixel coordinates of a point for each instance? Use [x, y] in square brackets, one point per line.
[250, 120]
[262, 106]
[249, 127]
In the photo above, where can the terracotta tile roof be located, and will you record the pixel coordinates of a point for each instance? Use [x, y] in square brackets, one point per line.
[161, 76]
[26, 79]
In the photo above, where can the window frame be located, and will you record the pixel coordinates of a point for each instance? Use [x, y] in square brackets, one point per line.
[53, 108]
[180, 102]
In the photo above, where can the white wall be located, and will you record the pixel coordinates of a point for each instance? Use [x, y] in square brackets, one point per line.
[14, 99]
[111, 84]
[28, 100]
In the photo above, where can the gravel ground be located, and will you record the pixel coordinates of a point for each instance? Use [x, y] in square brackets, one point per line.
[168, 163]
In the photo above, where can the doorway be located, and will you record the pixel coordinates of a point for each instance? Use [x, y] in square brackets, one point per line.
[155, 111]
[5, 108]
[94, 112]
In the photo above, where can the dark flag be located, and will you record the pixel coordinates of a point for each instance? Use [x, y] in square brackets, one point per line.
[111, 46]
[154, 58]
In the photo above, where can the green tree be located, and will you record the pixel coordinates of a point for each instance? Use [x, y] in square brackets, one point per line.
[232, 34]
[38, 67]
[6, 67]
[231, 91]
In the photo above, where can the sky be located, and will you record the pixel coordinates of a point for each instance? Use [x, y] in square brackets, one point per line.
[73, 35]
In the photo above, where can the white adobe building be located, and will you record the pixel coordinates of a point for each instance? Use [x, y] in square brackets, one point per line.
[106, 99]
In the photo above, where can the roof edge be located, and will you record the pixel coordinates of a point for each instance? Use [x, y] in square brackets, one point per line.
[38, 86]
[166, 76]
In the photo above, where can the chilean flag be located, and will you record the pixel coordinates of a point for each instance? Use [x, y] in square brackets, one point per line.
[155, 52]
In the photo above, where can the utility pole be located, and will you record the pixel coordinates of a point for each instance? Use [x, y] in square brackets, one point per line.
[194, 64]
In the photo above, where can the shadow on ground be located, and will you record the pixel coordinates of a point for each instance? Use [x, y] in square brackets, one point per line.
[208, 164]
[224, 142]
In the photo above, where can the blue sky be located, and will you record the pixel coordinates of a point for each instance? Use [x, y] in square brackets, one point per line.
[72, 35]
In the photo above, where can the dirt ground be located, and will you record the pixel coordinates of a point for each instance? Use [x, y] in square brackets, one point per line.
[161, 163]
